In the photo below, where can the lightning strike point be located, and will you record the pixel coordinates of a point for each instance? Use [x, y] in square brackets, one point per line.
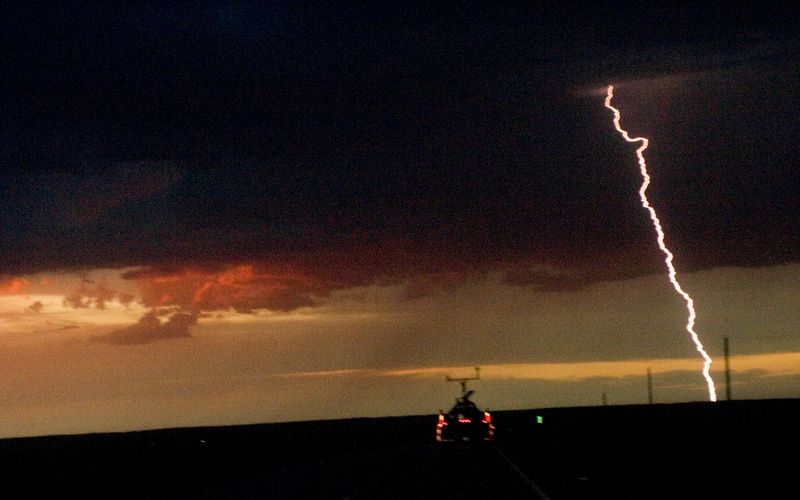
[673, 275]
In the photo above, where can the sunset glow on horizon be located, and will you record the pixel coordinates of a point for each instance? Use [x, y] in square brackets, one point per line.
[250, 355]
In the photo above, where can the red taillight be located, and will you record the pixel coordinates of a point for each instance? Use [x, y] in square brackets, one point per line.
[465, 420]
[487, 418]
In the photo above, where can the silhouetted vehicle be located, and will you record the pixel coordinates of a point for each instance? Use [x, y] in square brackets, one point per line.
[465, 421]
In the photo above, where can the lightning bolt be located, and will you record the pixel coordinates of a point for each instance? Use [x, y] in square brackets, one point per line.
[673, 275]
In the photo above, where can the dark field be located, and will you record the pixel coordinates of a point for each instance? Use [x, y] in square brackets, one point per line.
[739, 449]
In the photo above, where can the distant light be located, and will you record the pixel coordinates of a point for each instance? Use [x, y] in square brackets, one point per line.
[539, 419]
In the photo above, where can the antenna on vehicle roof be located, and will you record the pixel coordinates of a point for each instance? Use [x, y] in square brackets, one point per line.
[464, 381]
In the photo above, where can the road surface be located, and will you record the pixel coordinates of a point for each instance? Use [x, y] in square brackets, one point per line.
[420, 471]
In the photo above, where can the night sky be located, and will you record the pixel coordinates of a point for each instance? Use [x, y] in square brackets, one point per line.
[189, 171]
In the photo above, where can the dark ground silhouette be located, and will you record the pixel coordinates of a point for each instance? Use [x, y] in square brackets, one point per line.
[738, 449]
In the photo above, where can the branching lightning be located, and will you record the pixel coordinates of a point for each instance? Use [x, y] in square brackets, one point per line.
[673, 275]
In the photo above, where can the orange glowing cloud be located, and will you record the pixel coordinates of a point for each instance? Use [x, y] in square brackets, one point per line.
[288, 282]
[13, 285]
[243, 288]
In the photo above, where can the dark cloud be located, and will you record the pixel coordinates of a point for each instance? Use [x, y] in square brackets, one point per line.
[36, 307]
[150, 329]
[125, 299]
[90, 294]
[349, 146]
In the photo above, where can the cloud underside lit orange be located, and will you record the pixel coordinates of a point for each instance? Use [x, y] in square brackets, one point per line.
[288, 283]
[12, 285]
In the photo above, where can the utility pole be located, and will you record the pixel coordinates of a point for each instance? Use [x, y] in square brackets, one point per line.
[605, 399]
[727, 370]
[649, 387]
